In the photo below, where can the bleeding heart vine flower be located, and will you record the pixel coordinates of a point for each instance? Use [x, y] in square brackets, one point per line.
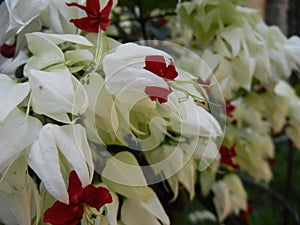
[95, 17]
[229, 109]
[157, 65]
[140, 69]
[226, 156]
[80, 202]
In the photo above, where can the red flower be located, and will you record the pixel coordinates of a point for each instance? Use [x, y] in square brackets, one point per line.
[157, 65]
[95, 17]
[226, 156]
[157, 93]
[244, 215]
[8, 51]
[229, 109]
[63, 214]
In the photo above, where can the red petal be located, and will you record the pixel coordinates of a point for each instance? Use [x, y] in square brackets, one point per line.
[104, 25]
[93, 8]
[96, 196]
[86, 24]
[106, 11]
[158, 93]
[156, 64]
[74, 188]
[62, 214]
[8, 51]
[77, 5]
[171, 72]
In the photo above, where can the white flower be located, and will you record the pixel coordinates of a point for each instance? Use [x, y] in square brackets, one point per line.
[19, 17]
[124, 69]
[44, 159]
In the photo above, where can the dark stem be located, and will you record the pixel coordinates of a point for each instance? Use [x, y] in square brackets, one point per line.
[289, 180]
[275, 196]
[142, 19]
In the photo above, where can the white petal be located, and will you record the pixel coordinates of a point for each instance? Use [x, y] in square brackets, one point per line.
[67, 94]
[196, 121]
[44, 158]
[15, 188]
[124, 69]
[72, 142]
[16, 134]
[154, 207]
[132, 213]
[11, 94]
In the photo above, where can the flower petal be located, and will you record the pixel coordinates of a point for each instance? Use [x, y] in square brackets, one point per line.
[86, 24]
[62, 214]
[156, 64]
[74, 188]
[11, 94]
[158, 93]
[106, 11]
[93, 8]
[17, 133]
[96, 196]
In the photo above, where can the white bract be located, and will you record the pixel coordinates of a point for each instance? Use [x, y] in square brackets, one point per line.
[17, 133]
[45, 159]
[18, 187]
[124, 71]
[17, 21]
[67, 94]
[11, 94]
[123, 175]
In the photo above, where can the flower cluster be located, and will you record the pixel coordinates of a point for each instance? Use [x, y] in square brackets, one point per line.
[88, 124]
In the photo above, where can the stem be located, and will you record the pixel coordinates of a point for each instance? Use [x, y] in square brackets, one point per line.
[99, 50]
[142, 20]
[289, 179]
[275, 196]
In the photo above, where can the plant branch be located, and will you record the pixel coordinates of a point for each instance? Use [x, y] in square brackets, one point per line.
[275, 196]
